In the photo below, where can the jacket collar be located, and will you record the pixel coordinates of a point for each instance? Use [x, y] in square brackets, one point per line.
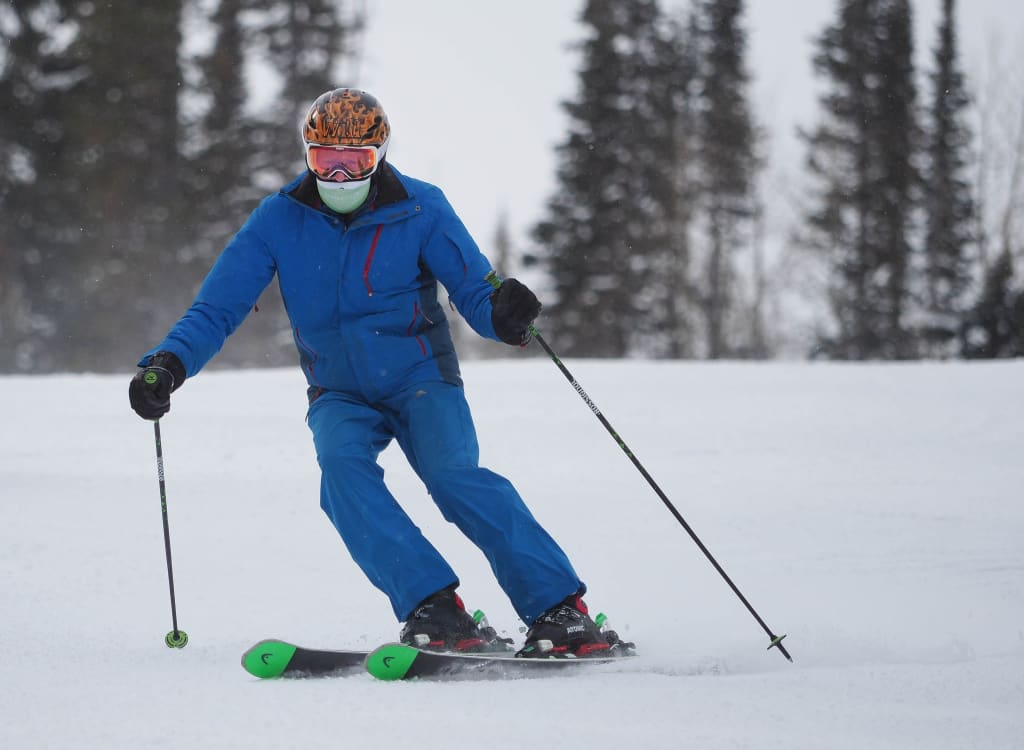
[386, 190]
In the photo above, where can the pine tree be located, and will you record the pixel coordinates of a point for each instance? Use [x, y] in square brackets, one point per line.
[96, 173]
[224, 162]
[994, 327]
[502, 244]
[667, 326]
[38, 183]
[123, 123]
[609, 223]
[231, 152]
[863, 157]
[116, 209]
[305, 41]
[949, 206]
[508, 264]
[728, 163]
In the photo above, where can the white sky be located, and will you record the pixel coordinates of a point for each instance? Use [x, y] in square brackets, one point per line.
[473, 89]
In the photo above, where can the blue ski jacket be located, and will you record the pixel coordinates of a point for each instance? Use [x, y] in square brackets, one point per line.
[361, 294]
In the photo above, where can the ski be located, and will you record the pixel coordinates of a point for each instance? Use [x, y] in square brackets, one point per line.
[397, 661]
[274, 658]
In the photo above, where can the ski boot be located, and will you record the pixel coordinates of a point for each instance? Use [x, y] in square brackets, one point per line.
[566, 631]
[441, 623]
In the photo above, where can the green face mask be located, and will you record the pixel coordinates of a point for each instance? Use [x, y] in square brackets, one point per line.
[344, 201]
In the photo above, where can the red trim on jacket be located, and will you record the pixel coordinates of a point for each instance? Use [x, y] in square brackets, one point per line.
[369, 260]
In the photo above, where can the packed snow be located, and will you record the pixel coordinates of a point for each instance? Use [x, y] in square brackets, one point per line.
[872, 512]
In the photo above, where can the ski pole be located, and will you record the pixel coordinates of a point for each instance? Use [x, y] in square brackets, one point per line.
[176, 638]
[776, 640]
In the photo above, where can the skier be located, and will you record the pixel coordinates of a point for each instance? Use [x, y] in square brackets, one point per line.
[358, 249]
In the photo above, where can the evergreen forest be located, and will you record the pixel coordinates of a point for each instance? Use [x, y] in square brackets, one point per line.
[130, 155]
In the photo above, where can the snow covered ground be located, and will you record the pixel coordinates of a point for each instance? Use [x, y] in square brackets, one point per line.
[872, 512]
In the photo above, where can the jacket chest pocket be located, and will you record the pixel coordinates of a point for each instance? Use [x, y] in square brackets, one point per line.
[388, 263]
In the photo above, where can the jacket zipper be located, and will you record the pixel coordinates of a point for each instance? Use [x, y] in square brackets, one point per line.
[313, 356]
[369, 260]
[412, 323]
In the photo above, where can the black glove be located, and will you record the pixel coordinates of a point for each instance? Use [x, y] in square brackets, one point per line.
[151, 388]
[513, 308]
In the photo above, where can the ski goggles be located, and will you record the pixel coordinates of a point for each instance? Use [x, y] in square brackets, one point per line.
[342, 163]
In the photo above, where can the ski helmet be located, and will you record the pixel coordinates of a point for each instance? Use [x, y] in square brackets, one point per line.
[347, 117]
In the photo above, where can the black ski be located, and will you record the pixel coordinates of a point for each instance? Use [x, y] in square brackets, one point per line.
[396, 661]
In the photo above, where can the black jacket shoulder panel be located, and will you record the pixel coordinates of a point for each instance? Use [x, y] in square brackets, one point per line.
[387, 186]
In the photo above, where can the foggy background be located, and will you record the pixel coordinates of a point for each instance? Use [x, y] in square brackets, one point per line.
[136, 140]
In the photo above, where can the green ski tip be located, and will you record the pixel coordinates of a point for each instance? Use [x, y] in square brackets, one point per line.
[391, 662]
[268, 659]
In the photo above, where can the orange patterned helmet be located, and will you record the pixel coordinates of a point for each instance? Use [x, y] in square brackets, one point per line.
[346, 117]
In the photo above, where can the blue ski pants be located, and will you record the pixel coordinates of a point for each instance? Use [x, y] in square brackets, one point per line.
[434, 429]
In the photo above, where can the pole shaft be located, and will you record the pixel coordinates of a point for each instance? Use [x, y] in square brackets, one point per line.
[654, 485]
[167, 530]
[776, 641]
